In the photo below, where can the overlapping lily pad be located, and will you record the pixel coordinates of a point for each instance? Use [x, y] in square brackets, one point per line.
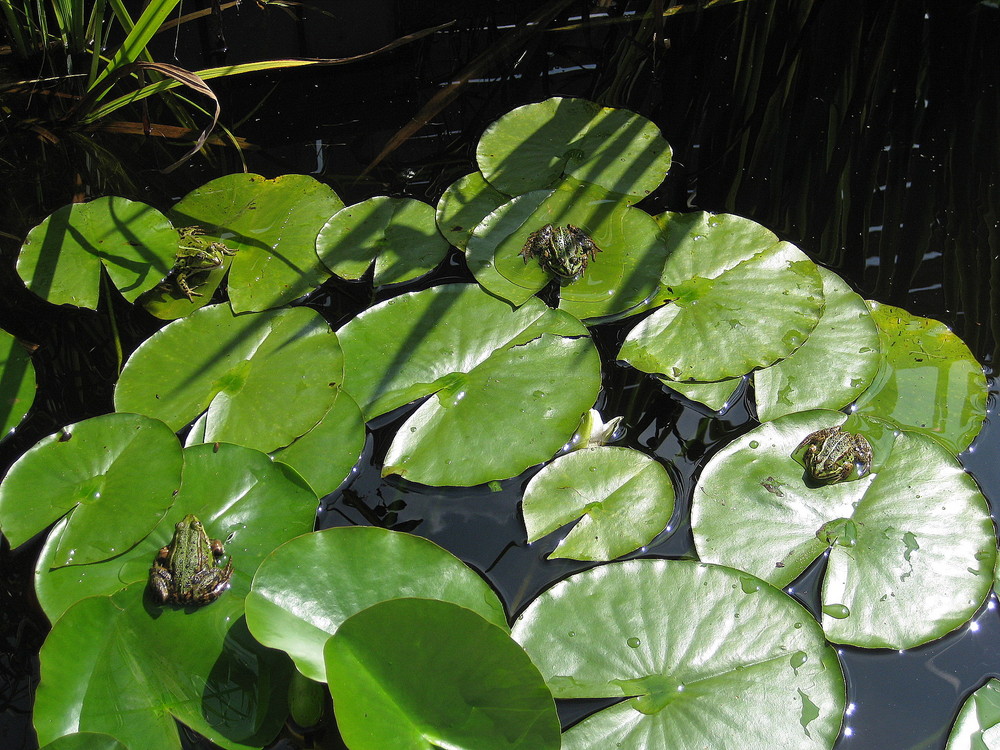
[705, 656]
[912, 546]
[524, 377]
[621, 497]
[264, 378]
[464, 204]
[17, 386]
[308, 587]
[273, 226]
[832, 368]
[89, 473]
[750, 316]
[977, 726]
[534, 146]
[928, 381]
[398, 235]
[61, 258]
[426, 691]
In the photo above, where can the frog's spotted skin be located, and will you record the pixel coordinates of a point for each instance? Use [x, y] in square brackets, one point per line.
[832, 454]
[186, 571]
[563, 252]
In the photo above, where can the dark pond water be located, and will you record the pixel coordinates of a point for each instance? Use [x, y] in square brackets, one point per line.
[864, 133]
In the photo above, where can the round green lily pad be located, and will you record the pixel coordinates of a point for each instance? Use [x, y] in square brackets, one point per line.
[694, 649]
[977, 726]
[534, 146]
[464, 204]
[621, 497]
[17, 386]
[911, 545]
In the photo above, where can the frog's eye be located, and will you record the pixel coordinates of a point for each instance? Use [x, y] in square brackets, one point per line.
[196, 525]
[179, 525]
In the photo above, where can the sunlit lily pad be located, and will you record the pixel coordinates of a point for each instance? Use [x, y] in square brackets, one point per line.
[398, 234]
[450, 679]
[61, 258]
[621, 275]
[92, 470]
[264, 378]
[273, 226]
[85, 741]
[831, 369]
[977, 726]
[717, 396]
[464, 204]
[233, 490]
[17, 385]
[912, 546]
[929, 381]
[309, 586]
[534, 146]
[750, 316]
[621, 497]
[712, 658]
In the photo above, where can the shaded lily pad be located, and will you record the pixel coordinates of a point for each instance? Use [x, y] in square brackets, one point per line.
[464, 204]
[831, 369]
[89, 472]
[233, 490]
[750, 316]
[85, 741]
[273, 226]
[398, 234]
[255, 374]
[977, 726]
[61, 258]
[928, 382]
[534, 146]
[451, 679]
[699, 648]
[622, 497]
[17, 386]
[291, 606]
[622, 275]
[912, 546]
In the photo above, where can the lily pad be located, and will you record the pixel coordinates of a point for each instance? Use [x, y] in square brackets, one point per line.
[255, 374]
[622, 497]
[451, 679]
[748, 317]
[89, 472]
[61, 258]
[290, 606]
[17, 386]
[977, 726]
[620, 277]
[233, 490]
[716, 396]
[928, 381]
[912, 546]
[695, 649]
[398, 234]
[85, 741]
[534, 146]
[464, 204]
[273, 226]
[833, 367]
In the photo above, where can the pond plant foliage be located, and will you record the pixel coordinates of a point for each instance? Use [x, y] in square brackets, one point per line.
[244, 412]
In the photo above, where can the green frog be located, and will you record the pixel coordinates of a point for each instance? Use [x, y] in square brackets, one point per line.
[561, 251]
[194, 256]
[186, 571]
[832, 454]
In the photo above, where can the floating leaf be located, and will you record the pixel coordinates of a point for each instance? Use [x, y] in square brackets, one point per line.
[622, 497]
[234, 492]
[256, 374]
[465, 203]
[85, 741]
[290, 607]
[928, 380]
[398, 234]
[273, 226]
[716, 396]
[61, 258]
[835, 364]
[534, 146]
[699, 648]
[750, 316]
[977, 726]
[92, 471]
[17, 386]
[912, 546]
